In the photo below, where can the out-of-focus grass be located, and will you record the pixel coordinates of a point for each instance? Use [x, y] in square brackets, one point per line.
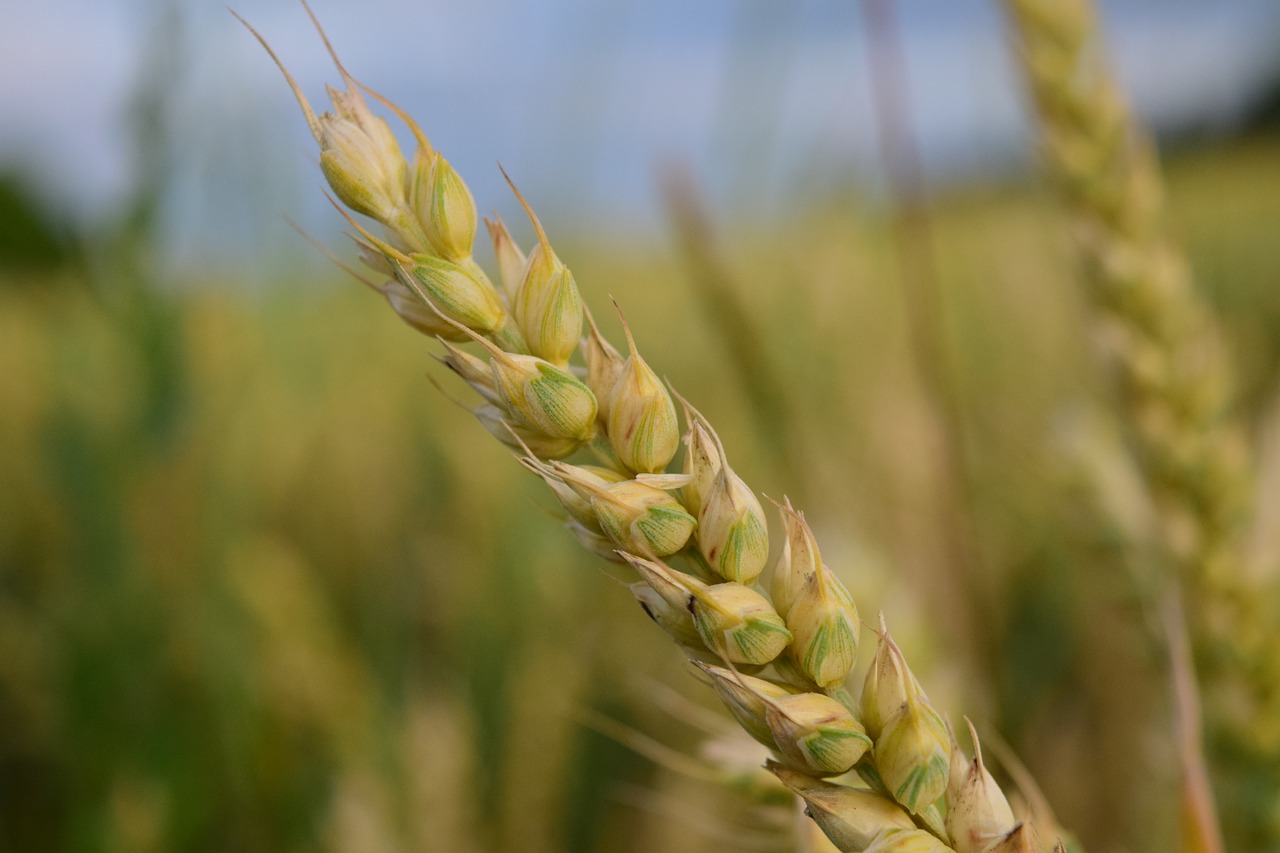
[324, 612]
[320, 609]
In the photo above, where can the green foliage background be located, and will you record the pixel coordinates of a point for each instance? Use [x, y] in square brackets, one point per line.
[263, 588]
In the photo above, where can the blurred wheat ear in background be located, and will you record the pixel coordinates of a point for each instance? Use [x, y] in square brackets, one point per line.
[1176, 387]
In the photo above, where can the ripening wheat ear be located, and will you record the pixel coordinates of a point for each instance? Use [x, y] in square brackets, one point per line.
[1176, 382]
[697, 537]
[1165, 344]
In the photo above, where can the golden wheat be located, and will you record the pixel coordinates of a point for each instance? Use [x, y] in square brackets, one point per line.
[778, 659]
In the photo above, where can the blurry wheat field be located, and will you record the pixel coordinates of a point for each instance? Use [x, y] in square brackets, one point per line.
[263, 588]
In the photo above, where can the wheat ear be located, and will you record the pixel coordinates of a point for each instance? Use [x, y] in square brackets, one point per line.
[779, 659]
[1174, 376]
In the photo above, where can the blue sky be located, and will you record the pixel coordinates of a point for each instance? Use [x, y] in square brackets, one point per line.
[580, 99]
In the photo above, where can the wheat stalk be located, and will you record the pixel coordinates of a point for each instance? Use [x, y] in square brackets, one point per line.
[778, 659]
[1176, 382]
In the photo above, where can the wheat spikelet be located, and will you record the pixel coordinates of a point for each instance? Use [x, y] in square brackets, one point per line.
[697, 537]
[1175, 379]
